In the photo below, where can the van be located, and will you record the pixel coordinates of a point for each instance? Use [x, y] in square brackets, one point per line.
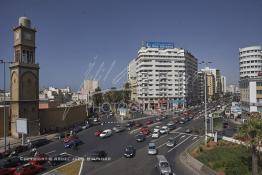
[163, 165]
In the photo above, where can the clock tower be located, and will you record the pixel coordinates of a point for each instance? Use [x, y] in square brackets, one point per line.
[24, 74]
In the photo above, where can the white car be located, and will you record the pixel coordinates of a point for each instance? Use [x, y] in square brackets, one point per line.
[156, 134]
[152, 150]
[106, 133]
[164, 130]
[156, 129]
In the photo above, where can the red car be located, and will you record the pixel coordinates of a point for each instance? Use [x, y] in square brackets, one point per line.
[148, 122]
[98, 132]
[39, 159]
[7, 171]
[69, 138]
[29, 169]
[145, 130]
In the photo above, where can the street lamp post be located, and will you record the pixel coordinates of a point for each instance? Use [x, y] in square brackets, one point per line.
[205, 81]
[5, 142]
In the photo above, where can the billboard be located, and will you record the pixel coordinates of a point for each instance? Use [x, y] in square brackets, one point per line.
[160, 45]
[21, 126]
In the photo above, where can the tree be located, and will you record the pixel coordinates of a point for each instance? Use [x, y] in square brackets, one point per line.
[251, 134]
[127, 93]
[97, 97]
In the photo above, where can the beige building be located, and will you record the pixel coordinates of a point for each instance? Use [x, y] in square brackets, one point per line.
[210, 85]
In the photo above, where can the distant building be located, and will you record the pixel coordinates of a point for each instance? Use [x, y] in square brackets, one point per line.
[210, 86]
[217, 76]
[250, 84]
[233, 88]
[223, 84]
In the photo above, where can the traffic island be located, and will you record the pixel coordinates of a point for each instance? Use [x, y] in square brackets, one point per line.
[72, 168]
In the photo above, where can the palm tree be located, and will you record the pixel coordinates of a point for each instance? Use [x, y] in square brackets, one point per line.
[251, 134]
[98, 97]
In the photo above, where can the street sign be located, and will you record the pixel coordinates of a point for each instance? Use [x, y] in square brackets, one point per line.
[21, 126]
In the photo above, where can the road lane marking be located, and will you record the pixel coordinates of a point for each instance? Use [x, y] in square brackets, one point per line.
[194, 138]
[178, 144]
[182, 136]
[50, 152]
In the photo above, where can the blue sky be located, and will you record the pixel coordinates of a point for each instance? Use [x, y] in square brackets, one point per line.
[73, 35]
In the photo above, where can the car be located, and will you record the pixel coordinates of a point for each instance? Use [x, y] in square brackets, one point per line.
[118, 128]
[130, 124]
[171, 125]
[175, 121]
[171, 142]
[188, 131]
[77, 129]
[164, 130]
[152, 150]
[156, 129]
[7, 171]
[158, 119]
[182, 121]
[29, 169]
[145, 130]
[98, 132]
[149, 122]
[70, 138]
[164, 117]
[130, 151]
[39, 142]
[156, 134]
[11, 162]
[163, 165]
[140, 137]
[98, 155]
[58, 159]
[71, 143]
[106, 133]
[39, 159]
[86, 126]
[61, 135]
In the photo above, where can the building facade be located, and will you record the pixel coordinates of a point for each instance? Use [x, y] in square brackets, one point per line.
[250, 84]
[165, 76]
[250, 61]
[132, 80]
[24, 74]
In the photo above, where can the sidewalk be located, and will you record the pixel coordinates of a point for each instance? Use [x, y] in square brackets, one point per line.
[15, 142]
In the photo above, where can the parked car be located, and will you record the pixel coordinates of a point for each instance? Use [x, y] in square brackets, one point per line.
[98, 155]
[39, 159]
[98, 132]
[156, 129]
[138, 124]
[145, 130]
[140, 137]
[164, 130]
[58, 159]
[29, 169]
[130, 151]
[77, 129]
[158, 119]
[71, 143]
[163, 165]
[7, 171]
[152, 150]
[106, 133]
[11, 162]
[171, 142]
[171, 125]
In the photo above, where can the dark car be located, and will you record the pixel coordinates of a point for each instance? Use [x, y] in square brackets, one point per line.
[130, 151]
[72, 143]
[130, 124]
[11, 162]
[171, 126]
[77, 129]
[58, 159]
[39, 142]
[140, 138]
[19, 149]
[98, 155]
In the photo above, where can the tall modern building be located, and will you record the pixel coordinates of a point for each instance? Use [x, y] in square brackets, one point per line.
[217, 75]
[210, 86]
[250, 84]
[24, 73]
[250, 61]
[132, 79]
[165, 76]
[223, 84]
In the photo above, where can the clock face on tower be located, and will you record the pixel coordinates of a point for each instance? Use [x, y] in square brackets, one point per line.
[27, 36]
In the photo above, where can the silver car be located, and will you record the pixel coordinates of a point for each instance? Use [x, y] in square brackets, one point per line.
[163, 165]
[152, 150]
[171, 142]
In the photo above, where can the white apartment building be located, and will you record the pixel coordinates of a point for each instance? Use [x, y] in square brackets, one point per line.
[165, 76]
[250, 61]
[132, 79]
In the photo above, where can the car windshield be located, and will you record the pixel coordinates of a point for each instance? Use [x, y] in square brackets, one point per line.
[129, 148]
[152, 147]
[170, 140]
[164, 164]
